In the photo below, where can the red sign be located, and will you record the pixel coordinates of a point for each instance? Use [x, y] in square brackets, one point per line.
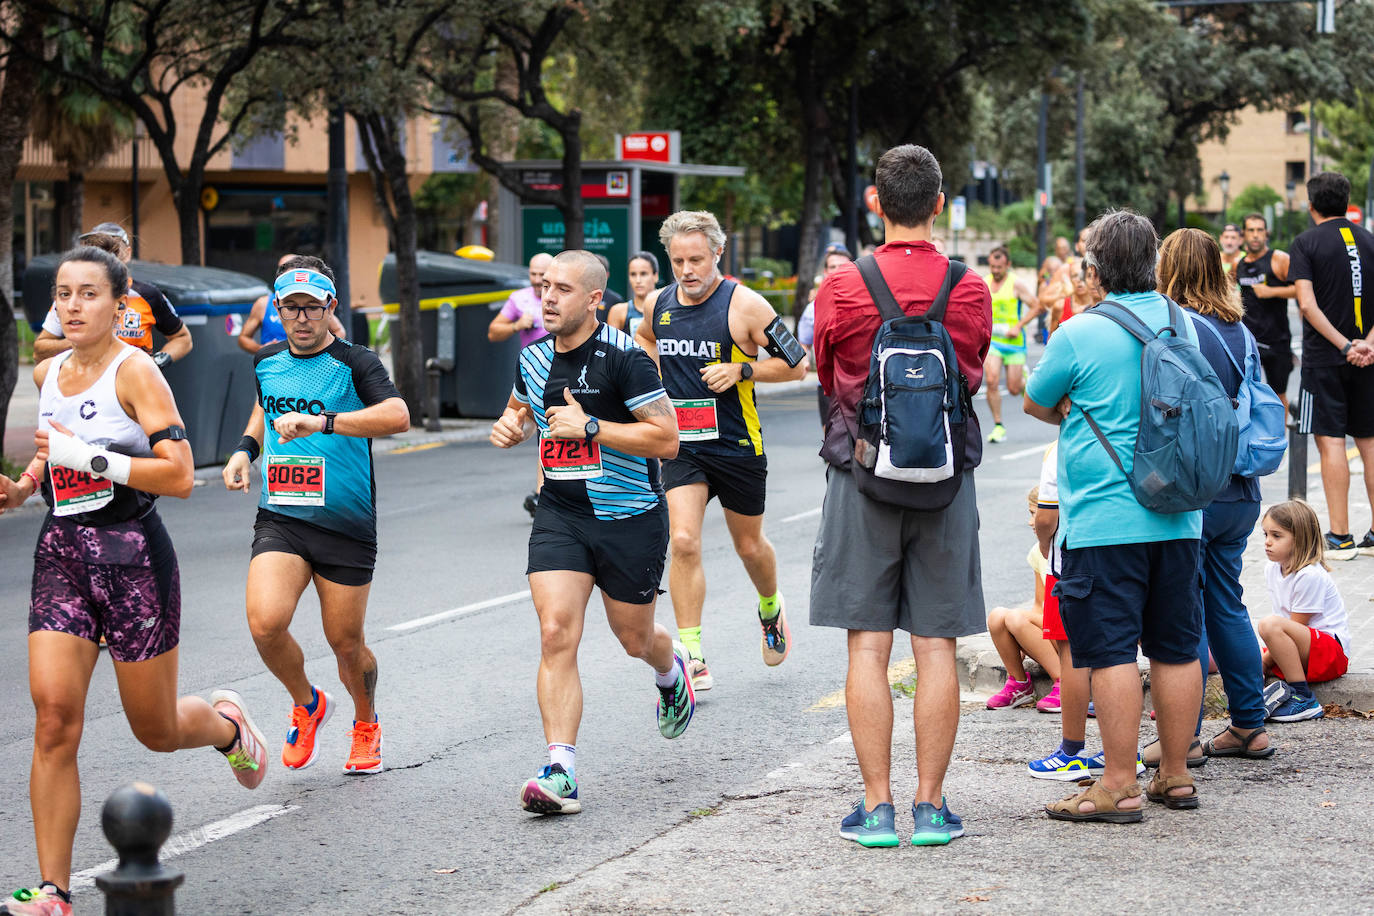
[650, 146]
[1355, 215]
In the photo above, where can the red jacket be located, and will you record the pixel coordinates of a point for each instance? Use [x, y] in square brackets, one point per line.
[847, 319]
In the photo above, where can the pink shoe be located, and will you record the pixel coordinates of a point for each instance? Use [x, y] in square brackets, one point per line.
[1014, 693]
[1050, 701]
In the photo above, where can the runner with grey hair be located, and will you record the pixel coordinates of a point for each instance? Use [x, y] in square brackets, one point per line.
[705, 332]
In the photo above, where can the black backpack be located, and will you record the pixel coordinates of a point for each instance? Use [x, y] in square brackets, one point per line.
[911, 447]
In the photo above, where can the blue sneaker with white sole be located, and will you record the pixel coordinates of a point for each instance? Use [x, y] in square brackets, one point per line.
[871, 828]
[1098, 762]
[1298, 708]
[935, 826]
[1065, 767]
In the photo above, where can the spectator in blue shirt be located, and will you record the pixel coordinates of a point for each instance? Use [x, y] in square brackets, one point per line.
[1128, 575]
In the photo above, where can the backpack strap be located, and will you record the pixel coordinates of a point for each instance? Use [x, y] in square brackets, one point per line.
[1119, 314]
[1201, 322]
[887, 305]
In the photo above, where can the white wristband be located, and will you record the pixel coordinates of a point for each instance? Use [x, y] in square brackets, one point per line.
[71, 452]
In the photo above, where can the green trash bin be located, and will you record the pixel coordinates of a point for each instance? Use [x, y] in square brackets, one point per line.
[467, 293]
[214, 384]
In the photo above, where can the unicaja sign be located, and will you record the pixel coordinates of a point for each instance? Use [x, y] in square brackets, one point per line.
[650, 146]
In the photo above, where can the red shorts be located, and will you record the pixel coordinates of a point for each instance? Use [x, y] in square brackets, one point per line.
[1326, 660]
[1052, 626]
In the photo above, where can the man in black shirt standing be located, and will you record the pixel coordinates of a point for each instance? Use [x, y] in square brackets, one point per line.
[1331, 264]
[1265, 290]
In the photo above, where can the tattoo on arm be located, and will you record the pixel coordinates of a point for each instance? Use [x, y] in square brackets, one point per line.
[657, 408]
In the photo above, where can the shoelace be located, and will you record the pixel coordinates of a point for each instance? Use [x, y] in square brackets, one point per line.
[362, 742]
[771, 633]
[671, 694]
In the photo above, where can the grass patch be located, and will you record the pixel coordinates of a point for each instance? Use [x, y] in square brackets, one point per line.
[550, 887]
[704, 812]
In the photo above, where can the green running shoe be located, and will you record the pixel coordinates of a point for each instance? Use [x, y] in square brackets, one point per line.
[676, 703]
[553, 791]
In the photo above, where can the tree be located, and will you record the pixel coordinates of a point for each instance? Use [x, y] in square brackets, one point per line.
[22, 50]
[184, 54]
[463, 62]
[1351, 140]
[79, 126]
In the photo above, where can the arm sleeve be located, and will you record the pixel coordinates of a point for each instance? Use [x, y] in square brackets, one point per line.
[639, 379]
[1049, 480]
[52, 324]
[806, 327]
[1299, 262]
[519, 390]
[165, 315]
[370, 378]
[1054, 374]
[1309, 590]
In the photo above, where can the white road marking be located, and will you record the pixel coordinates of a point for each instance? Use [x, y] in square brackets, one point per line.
[195, 838]
[460, 611]
[801, 515]
[1026, 451]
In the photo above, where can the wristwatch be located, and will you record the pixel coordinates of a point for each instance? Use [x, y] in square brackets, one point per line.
[746, 371]
[1345, 350]
[329, 416]
[99, 464]
[592, 428]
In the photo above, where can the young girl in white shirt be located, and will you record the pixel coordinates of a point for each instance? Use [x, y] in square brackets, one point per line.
[1308, 637]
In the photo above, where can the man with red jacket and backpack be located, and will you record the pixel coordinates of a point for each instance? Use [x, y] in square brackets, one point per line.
[879, 567]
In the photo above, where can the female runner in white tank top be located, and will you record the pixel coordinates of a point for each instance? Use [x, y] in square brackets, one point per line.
[104, 565]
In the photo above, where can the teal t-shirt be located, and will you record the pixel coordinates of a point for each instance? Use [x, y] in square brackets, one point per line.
[1097, 364]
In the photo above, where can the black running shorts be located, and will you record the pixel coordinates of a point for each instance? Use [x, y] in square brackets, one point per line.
[334, 556]
[625, 556]
[1337, 401]
[741, 483]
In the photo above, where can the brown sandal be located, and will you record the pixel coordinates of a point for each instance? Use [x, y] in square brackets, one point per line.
[1105, 803]
[1160, 786]
[1150, 754]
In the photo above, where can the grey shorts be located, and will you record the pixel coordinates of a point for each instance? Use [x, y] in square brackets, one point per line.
[881, 567]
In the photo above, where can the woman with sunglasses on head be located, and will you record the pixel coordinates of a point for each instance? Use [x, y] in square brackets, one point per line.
[110, 441]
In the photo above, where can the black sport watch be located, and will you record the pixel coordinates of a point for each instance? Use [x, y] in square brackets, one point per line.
[592, 428]
[329, 416]
[746, 371]
[100, 464]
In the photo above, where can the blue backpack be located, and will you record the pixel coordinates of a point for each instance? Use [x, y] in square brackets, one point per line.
[1186, 444]
[1259, 412]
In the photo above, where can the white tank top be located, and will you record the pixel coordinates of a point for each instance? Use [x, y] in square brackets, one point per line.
[94, 415]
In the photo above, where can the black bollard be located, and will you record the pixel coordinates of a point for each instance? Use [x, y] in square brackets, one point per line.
[1297, 463]
[137, 820]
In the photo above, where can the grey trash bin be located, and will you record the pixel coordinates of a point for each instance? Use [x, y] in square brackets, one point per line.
[214, 385]
[480, 383]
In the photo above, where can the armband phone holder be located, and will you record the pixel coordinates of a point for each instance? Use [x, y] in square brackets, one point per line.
[782, 344]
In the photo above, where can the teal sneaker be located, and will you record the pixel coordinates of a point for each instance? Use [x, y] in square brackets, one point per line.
[935, 826]
[553, 791]
[676, 703]
[871, 828]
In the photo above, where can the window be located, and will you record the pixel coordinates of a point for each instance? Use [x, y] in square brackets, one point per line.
[1295, 173]
[1295, 122]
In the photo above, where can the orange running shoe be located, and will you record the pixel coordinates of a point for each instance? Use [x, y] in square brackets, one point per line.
[365, 756]
[301, 747]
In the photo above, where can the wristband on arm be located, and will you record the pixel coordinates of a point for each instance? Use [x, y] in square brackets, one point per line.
[250, 445]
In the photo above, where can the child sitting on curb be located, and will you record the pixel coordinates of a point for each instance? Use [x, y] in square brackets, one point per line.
[1305, 639]
[1016, 632]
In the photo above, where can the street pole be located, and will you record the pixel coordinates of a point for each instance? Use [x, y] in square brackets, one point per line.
[336, 213]
[1080, 210]
[851, 229]
[1041, 154]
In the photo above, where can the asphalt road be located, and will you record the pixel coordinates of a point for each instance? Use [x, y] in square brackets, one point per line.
[440, 831]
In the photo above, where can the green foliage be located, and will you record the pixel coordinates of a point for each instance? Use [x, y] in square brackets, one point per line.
[1253, 199]
[1351, 140]
[779, 269]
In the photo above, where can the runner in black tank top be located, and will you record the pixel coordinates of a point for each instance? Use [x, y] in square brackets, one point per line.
[705, 332]
[1265, 291]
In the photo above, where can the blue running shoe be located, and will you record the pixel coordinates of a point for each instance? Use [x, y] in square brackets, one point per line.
[1092, 710]
[871, 828]
[1065, 768]
[1098, 762]
[553, 791]
[676, 703]
[1297, 709]
[935, 826]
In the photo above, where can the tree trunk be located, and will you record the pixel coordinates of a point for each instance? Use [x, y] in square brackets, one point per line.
[815, 124]
[16, 102]
[76, 200]
[572, 208]
[502, 146]
[407, 356]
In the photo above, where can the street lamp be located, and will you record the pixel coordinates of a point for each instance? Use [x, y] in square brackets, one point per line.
[1224, 179]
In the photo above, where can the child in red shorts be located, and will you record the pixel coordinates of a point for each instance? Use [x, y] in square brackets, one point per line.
[1307, 636]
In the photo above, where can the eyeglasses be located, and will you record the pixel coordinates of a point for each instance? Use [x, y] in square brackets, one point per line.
[311, 312]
